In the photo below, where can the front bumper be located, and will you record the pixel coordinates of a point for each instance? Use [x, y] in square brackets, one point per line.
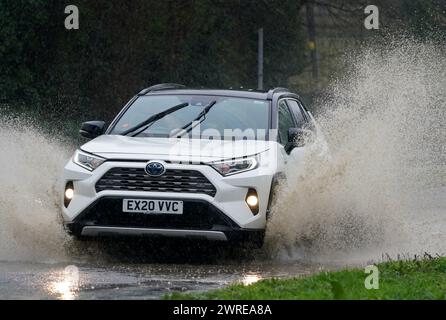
[200, 220]
[98, 231]
[228, 235]
[228, 201]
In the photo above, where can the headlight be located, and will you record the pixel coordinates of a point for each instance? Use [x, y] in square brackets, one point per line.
[87, 161]
[234, 166]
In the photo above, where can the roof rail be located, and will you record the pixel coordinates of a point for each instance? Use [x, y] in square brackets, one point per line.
[276, 90]
[161, 86]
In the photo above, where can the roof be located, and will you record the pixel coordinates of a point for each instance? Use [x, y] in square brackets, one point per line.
[217, 92]
[172, 88]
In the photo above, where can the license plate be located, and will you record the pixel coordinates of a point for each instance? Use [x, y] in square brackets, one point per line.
[152, 206]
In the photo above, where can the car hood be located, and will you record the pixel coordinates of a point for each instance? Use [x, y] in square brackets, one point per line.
[121, 147]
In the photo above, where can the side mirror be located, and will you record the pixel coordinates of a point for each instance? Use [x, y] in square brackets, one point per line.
[92, 129]
[298, 138]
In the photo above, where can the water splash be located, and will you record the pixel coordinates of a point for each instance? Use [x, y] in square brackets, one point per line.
[383, 190]
[31, 166]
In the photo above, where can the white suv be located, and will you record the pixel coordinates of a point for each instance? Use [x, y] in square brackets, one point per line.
[178, 162]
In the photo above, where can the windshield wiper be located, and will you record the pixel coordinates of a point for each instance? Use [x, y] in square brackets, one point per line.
[154, 118]
[193, 124]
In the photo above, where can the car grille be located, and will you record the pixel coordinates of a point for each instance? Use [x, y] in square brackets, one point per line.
[173, 180]
[197, 215]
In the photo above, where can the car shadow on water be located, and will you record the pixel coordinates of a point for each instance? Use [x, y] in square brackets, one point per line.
[163, 251]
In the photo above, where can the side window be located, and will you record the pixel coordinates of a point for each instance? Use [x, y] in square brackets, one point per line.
[297, 111]
[309, 124]
[304, 110]
[285, 121]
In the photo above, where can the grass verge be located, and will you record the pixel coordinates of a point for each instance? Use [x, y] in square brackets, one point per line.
[414, 279]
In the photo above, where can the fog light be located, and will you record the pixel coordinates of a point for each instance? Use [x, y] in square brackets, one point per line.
[68, 194]
[252, 200]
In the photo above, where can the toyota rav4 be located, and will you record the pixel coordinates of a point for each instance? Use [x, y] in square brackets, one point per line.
[179, 162]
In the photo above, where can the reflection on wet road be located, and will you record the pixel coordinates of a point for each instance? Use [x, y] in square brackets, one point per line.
[139, 269]
[121, 281]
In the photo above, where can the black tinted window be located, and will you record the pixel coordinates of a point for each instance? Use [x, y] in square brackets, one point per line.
[297, 111]
[285, 121]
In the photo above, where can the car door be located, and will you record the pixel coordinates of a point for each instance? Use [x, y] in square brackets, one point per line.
[287, 121]
[300, 122]
[306, 121]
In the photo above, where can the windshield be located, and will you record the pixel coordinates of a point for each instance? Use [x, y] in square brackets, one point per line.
[228, 118]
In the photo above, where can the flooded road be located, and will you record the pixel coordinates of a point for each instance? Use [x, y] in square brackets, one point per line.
[132, 281]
